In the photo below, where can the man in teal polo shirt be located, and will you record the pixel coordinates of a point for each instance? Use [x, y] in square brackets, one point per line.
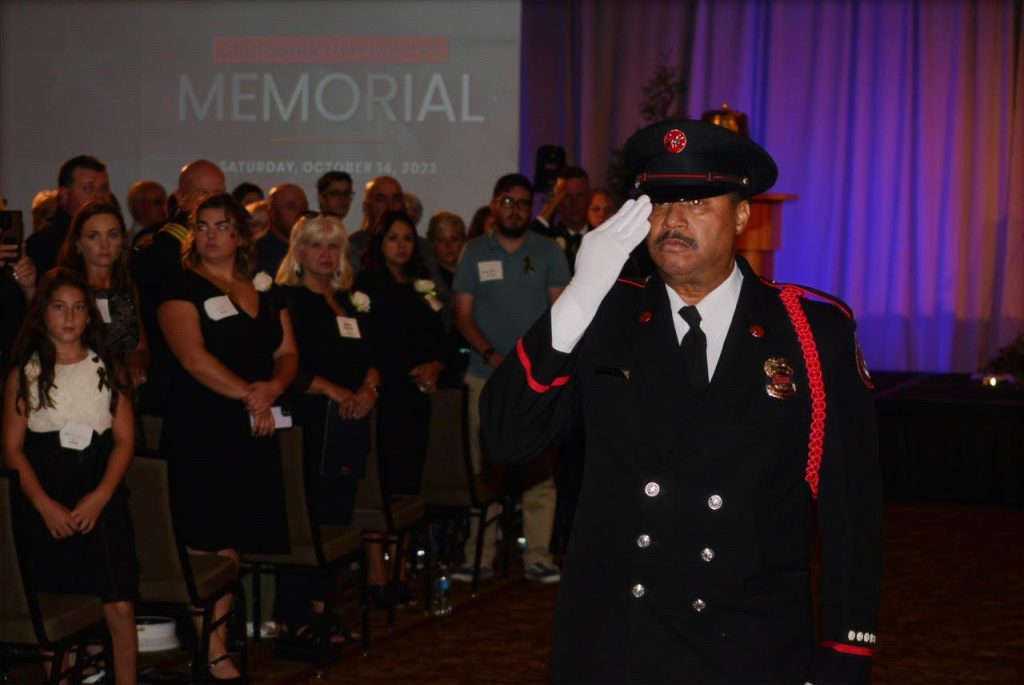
[504, 282]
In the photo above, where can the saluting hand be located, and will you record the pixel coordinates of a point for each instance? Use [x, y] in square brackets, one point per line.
[605, 249]
[598, 263]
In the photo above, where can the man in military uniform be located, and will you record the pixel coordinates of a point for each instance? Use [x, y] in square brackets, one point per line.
[722, 412]
[156, 261]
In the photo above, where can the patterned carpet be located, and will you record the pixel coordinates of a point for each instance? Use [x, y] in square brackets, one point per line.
[953, 613]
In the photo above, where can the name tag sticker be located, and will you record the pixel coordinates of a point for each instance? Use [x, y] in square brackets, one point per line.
[281, 419]
[490, 271]
[75, 436]
[103, 304]
[218, 308]
[348, 327]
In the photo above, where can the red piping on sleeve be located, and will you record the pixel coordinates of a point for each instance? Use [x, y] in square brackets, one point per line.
[534, 384]
[849, 649]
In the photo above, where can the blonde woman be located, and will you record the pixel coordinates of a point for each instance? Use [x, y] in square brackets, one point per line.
[333, 395]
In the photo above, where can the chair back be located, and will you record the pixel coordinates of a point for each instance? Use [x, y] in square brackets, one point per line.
[300, 527]
[370, 510]
[161, 575]
[446, 476]
[13, 599]
[151, 428]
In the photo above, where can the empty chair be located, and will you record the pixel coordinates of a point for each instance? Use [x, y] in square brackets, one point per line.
[378, 512]
[170, 577]
[313, 548]
[450, 487]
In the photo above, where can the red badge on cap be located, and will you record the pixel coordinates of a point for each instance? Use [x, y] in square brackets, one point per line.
[675, 141]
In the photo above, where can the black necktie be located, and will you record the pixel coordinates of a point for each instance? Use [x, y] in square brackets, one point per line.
[694, 350]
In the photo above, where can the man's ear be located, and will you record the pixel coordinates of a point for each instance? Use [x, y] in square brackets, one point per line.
[742, 215]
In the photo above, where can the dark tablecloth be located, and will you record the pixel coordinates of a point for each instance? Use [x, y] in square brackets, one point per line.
[949, 438]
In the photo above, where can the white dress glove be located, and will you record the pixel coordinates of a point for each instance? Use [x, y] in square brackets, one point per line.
[598, 263]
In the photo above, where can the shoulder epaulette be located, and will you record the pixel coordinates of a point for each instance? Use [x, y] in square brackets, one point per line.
[176, 231]
[806, 291]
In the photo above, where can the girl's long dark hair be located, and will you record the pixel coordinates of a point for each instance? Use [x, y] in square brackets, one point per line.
[373, 258]
[34, 339]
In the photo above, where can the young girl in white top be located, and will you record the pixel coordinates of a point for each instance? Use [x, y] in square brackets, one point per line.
[68, 431]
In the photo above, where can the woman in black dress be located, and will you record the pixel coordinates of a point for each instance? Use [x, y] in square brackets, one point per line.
[97, 247]
[236, 355]
[409, 346]
[68, 432]
[336, 389]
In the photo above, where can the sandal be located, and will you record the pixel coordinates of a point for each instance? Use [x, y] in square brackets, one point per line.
[236, 680]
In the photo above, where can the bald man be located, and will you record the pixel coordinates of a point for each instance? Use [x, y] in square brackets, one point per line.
[158, 258]
[287, 204]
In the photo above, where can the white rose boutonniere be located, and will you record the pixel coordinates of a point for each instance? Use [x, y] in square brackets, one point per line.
[360, 300]
[427, 288]
[262, 281]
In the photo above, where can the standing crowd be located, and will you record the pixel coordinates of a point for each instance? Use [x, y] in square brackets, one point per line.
[227, 313]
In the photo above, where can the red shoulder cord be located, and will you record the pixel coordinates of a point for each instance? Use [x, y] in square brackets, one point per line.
[790, 296]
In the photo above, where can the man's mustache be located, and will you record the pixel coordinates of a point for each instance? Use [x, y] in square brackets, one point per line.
[675, 235]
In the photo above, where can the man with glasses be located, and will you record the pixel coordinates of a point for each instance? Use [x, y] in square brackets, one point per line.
[503, 283]
[334, 192]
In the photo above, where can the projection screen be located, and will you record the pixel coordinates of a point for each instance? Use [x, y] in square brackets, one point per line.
[273, 91]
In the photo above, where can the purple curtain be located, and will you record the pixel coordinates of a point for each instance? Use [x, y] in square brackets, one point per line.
[900, 124]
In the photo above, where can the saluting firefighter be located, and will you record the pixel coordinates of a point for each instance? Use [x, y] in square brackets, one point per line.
[722, 413]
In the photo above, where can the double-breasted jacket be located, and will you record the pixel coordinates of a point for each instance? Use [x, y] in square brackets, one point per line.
[689, 556]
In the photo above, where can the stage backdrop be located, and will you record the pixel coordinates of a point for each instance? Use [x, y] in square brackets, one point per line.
[424, 90]
[899, 123]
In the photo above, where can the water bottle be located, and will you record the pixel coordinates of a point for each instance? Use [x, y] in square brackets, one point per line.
[442, 605]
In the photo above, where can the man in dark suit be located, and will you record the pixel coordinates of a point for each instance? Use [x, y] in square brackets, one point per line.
[81, 179]
[568, 202]
[722, 412]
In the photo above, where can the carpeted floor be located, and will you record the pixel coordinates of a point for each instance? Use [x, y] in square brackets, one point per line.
[952, 613]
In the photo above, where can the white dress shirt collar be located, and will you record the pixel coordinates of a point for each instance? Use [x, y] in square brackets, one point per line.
[716, 312]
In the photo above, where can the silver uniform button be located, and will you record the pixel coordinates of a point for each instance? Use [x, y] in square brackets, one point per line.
[643, 541]
[699, 605]
[639, 591]
[652, 489]
[715, 502]
[707, 554]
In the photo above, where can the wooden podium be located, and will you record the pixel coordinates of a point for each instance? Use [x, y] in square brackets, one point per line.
[763, 234]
